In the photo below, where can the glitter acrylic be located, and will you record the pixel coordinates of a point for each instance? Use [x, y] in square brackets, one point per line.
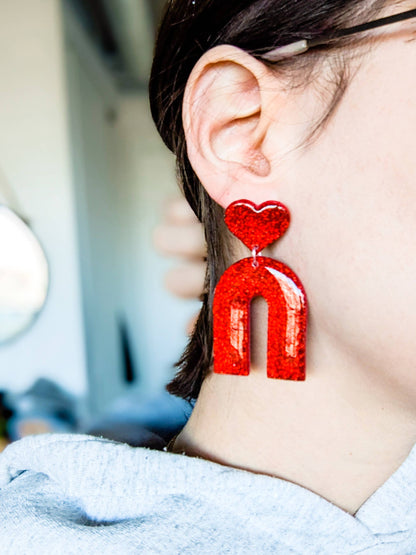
[257, 227]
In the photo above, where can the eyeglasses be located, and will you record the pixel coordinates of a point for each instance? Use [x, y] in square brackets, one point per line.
[301, 46]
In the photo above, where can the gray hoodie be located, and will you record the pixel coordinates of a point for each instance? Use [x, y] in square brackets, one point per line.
[78, 494]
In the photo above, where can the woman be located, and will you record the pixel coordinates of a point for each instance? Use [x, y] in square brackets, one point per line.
[324, 465]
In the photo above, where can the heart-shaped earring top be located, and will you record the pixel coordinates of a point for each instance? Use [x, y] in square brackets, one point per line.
[257, 226]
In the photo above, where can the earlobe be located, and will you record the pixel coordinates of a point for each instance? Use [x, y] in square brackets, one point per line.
[226, 122]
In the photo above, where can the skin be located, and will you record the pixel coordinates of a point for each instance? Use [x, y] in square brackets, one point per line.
[180, 234]
[352, 196]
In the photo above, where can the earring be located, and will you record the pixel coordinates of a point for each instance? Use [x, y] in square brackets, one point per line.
[257, 227]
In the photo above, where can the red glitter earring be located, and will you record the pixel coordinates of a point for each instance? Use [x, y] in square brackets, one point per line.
[257, 227]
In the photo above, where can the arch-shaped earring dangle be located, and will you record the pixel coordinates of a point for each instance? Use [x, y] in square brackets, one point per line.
[259, 276]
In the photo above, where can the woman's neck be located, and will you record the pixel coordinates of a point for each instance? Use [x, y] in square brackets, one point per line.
[340, 434]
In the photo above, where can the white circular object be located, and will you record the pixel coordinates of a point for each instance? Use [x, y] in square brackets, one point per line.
[24, 275]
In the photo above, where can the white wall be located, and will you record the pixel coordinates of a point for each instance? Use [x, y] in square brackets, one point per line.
[93, 108]
[145, 179]
[123, 175]
[93, 203]
[35, 158]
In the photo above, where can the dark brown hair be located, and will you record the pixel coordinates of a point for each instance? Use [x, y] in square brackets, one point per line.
[189, 29]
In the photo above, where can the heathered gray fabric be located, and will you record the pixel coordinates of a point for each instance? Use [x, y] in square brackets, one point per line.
[78, 494]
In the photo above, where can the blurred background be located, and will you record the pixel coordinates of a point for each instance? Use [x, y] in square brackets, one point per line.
[88, 335]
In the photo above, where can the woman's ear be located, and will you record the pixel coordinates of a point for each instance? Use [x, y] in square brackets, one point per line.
[228, 112]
